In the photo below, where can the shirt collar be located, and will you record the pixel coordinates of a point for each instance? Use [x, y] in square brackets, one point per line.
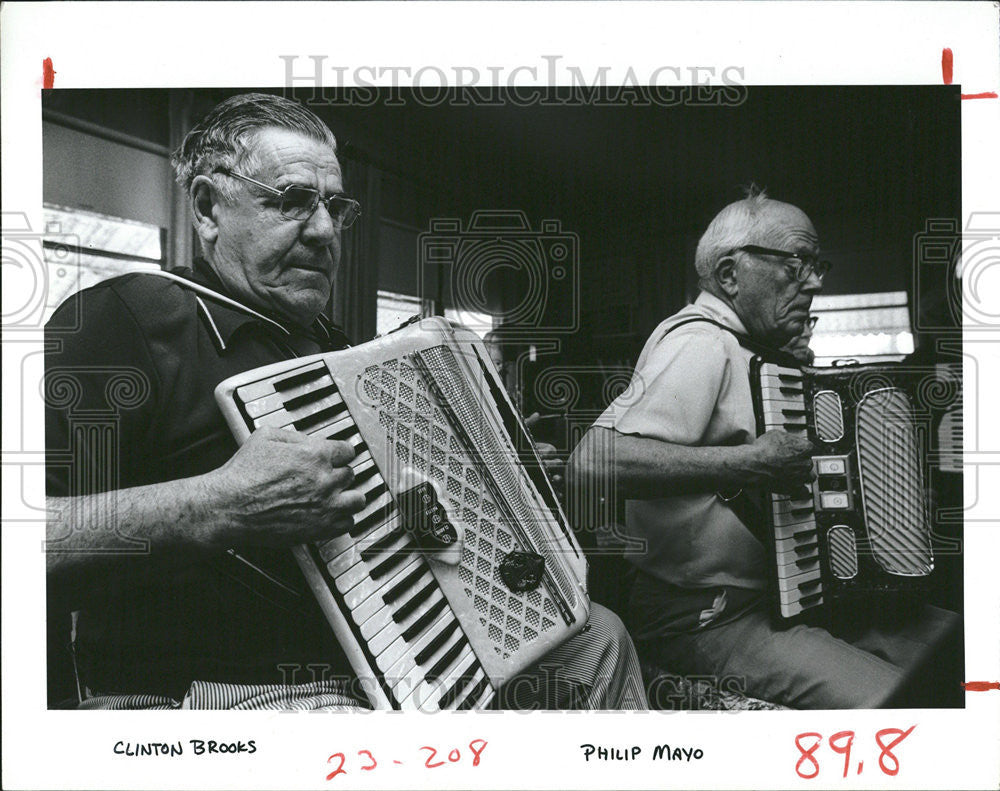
[714, 308]
[227, 319]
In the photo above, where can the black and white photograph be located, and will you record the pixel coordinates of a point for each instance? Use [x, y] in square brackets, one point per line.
[642, 399]
[767, 537]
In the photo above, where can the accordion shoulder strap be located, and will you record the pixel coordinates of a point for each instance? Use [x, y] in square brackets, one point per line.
[748, 507]
[768, 353]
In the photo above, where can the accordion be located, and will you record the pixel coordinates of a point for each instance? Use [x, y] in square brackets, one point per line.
[461, 570]
[856, 544]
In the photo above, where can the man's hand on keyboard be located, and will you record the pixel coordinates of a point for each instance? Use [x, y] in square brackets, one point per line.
[781, 462]
[283, 488]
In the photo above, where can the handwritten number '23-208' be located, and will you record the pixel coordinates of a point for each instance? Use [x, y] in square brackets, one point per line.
[476, 747]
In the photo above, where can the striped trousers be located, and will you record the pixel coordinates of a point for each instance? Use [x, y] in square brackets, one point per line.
[595, 670]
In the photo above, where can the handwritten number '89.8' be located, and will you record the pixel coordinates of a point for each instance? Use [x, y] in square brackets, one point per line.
[842, 742]
[476, 747]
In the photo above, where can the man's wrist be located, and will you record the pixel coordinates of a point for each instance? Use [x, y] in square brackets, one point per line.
[742, 466]
[208, 511]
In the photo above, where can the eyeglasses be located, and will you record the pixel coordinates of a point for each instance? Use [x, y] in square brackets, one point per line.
[807, 266]
[299, 203]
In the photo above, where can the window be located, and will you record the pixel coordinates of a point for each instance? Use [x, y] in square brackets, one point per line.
[479, 323]
[393, 309]
[865, 327]
[82, 248]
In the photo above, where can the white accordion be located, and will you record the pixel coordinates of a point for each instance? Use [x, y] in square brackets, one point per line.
[461, 571]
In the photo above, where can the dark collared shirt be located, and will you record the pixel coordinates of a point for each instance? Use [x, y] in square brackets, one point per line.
[131, 368]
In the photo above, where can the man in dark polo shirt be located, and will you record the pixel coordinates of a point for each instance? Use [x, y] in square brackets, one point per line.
[168, 542]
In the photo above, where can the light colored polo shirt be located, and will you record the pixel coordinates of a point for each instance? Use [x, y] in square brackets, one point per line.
[692, 387]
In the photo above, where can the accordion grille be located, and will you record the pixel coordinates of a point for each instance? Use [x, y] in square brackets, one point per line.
[843, 552]
[891, 485]
[828, 413]
[420, 436]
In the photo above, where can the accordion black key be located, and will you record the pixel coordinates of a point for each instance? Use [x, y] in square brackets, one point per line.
[857, 542]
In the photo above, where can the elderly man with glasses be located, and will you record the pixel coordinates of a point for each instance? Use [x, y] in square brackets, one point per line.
[682, 443]
[171, 544]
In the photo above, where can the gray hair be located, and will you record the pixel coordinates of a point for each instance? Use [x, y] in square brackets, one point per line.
[226, 137]
[732, 227]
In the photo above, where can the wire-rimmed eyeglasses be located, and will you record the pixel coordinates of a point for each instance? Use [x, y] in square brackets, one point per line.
[806, 266]
[299, 203]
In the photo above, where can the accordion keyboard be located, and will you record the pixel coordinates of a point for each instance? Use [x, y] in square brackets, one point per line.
[376, 571]
[796, 539]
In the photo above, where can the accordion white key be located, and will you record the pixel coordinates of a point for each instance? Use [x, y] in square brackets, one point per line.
[461, 571]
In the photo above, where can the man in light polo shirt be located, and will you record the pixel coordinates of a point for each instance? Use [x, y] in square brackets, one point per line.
[683, 442]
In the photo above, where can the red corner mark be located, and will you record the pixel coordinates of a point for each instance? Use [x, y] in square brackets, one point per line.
[48, 74]
[947, 67]
[947, 62]
[980, 686]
